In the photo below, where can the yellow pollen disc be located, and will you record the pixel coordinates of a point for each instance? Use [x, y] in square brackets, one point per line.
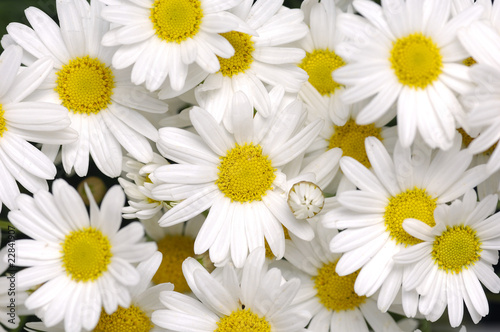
[414, 203]
[85, 85]
[269, 252]
[175, 249]
[319, 65]
[469, 61]
[86, 254]
[3, 123]
[416, 60]
[243, 321]
[351, 139]
[130, 319]
[456, 248]
[245, 174]
[242, 58]
[335, 292]
[176, 20]
[466, 140]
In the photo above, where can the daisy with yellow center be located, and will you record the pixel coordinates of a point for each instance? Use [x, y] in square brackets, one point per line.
[454, 258]
[330, 298]
[321, 92]
[22, 121]
[183, 35]
[83, 263]
[135, 317]
[250, 299]
[262, 59]
[104, 107]
[237, 176]
[407, 55]
[410, 185]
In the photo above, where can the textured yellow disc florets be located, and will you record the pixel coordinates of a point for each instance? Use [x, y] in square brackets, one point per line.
[243, 321]
[130, 319]
[3, 123]
[176, 20]
[85, 85]
[416, 60]
[335, 292]
[414, 203]
[456, 248]
[351, 139]
[469, 61]
[245, 174]
[175, 249]
[319, 65]
[86, 254]
[242, 58]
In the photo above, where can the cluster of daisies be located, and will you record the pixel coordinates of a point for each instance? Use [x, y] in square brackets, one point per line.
[332, 167]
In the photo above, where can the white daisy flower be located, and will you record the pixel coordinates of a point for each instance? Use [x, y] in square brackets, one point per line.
[409, 185]
[406, 52]
[259, 300]
[101, 102]
[481, 39]
[331, 299]
[141, 202]
[454, 258]
[137, 317]
[237, 176]
[21, 121]
[163, 38]
[321, 91]
[82, 263]
[258, 60]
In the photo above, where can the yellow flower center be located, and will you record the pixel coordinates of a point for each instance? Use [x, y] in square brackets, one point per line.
[269, 252]
[85, 85]
[319, 65]
[456, 248]
[243, 321]
[351, 139]
[469, 61]
[86, 254]
[335, 292]
[414, 203]
[466, 140]
[176, 20]
[175, 249]
[130, 319]
[245, 174]
[242, 58]
[416, 60]
[3, 123]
